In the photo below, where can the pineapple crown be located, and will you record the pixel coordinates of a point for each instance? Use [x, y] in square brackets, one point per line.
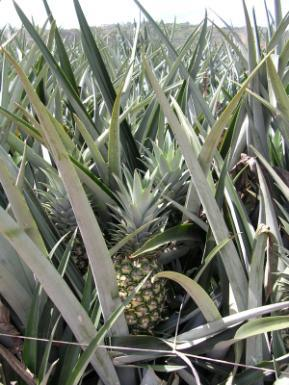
[56, 202]
[53, 193]
[139, 203]
[167, 161]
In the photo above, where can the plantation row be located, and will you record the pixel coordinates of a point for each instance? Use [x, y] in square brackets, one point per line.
[144, 204]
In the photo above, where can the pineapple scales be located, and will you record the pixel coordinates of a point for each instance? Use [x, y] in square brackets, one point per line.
[139, 204]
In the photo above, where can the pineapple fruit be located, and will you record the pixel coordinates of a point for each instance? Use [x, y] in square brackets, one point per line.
[139, 204]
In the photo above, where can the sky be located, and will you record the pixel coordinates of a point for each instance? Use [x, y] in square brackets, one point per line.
[99, 12]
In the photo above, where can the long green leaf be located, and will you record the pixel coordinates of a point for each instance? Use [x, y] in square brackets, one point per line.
[86, 356]
[62, 54]
[58, 291]
[94, 150]
[213, 138]
[187, 339]
[177, 233]
[202, 105]
[279, 91]
[279, 182]
[196, 292]
[106, 87]
[279, 34]
[211, 256]
[30, 346]
[231, 261]
[114, 144]
[19, 205]
[254, 348]
[262, 325]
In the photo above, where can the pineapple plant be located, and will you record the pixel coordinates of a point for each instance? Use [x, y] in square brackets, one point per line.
[139, 204]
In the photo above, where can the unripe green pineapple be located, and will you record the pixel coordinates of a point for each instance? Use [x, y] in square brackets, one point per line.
[145, 311]
[139, 204]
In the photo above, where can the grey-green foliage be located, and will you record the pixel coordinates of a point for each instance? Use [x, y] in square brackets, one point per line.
[188, 110]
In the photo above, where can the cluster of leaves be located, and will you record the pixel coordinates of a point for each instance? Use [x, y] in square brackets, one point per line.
[79, 113]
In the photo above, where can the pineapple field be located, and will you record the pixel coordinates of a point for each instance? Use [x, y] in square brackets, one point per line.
[144, 203]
